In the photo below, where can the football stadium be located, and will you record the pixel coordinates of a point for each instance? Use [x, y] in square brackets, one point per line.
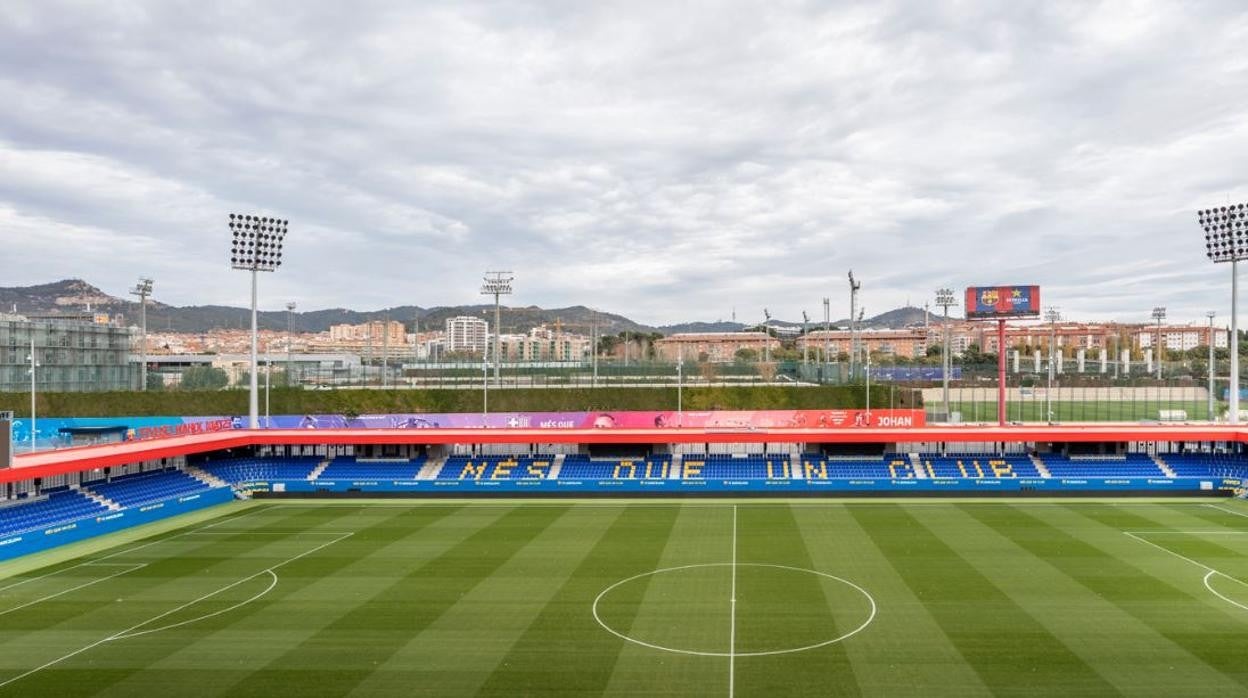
[757, 559]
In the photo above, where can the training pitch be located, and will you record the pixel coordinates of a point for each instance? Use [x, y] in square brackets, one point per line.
[704, 598]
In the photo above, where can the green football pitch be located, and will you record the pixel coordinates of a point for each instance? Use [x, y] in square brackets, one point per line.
[688, 598]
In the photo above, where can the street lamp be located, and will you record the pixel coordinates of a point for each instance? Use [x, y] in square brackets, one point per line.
[497, 283]
[257, 247]
[143, 289]
[1226, 240]
[290, 309]
[1210, 314]
[1159, 314]
[1052, 316]
[945, 299]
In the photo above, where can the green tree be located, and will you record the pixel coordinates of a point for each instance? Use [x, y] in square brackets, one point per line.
[155, 381]
[204, 378]
[746, 355]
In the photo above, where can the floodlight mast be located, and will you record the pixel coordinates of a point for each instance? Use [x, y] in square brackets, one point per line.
[767, 336]
[854, 287]
[143, 289]
[257, 247]
[1226, 240]
[1052, 315]
[497, 283]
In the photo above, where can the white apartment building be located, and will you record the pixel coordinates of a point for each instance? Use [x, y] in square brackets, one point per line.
[466, 333]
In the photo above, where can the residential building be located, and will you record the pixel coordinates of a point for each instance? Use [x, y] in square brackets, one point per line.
[73, 353]
[718, 347]
[466, 333]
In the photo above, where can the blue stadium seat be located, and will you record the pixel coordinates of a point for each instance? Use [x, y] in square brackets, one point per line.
[253, 469]
[1207, 464]
[522, 467]
[817, 466]
[978, 465]
[60, 506]
[142, 488]
[350, 467]
[1129, 465]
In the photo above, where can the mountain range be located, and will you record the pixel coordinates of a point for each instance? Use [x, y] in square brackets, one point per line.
[76, 295]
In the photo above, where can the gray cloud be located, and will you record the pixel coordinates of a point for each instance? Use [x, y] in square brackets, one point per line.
[664, 160]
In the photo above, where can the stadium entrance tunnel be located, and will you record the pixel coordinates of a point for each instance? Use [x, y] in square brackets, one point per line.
[777, 609]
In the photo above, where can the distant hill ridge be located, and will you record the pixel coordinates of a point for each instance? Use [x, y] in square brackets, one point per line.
[76, 295]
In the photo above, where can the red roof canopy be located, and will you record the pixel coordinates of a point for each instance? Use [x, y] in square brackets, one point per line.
[57, 462]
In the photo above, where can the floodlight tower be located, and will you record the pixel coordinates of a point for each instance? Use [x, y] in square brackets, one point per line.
[827, 332]
[143, 289]
[1051, 316]
[497, 283]
[1159, 314]
[257, 247]
[945, 299]
[854, 287]
[1210, 314]
[1226, 240]
[34, 366]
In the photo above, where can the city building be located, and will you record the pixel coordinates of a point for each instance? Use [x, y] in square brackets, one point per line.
[466, 333]
[545, 344]
[73, 353]
[716, 347]
[909, 343]
[376, 333]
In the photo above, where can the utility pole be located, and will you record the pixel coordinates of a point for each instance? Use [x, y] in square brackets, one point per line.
[945, 299]
[290, 309]
[143, 289]
[385, 350]
[1159, 314]
[1210, 315]
[854, 287]
[766, 337]
[827, 333]
[1052, 315]
[805, 339]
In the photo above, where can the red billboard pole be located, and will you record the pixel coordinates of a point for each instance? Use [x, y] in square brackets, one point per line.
[1001, 372]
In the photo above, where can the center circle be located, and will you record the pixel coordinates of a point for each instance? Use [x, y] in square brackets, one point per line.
[762, 589]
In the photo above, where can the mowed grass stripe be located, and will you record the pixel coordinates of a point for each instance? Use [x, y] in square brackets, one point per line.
[781, 609]
[1012, 653]
[213, 654]
[171, 578]
[685, 610]
[563, 650]
[904, 651]
[1126, 651]
[459, 650]
[1161, 590]
[344, 652]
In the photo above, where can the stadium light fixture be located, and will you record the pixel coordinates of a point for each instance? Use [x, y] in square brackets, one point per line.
[1159, 314]
[257, 247]
[854, 288]
[34, 424]
[143, 289]
[766, 336]
[497, 283]
[1226, 240]
[945, 299]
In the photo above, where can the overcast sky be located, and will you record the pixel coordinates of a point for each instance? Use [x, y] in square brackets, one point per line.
[663, 160]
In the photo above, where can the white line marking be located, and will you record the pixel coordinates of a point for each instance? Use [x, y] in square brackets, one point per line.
[240, 604]
[1229, 511]
[129, 632]
[1215, 591]
[98, 560]
[767, 653]
[129, 568]
[732, 626]
[1211, 571]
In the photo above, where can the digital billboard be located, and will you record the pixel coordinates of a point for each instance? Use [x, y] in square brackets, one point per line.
[990, 302]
